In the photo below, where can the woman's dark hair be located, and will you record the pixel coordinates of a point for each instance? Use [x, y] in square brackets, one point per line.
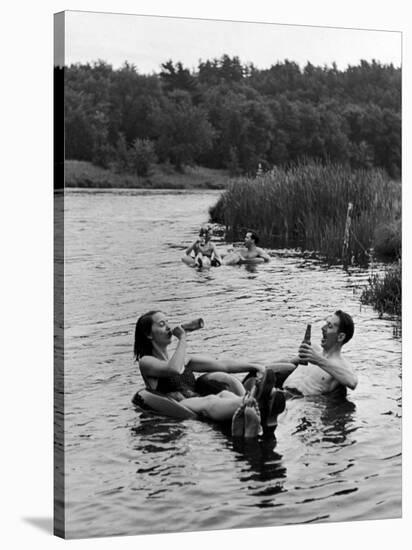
[205, 232]
[346, 325]
[142, 344]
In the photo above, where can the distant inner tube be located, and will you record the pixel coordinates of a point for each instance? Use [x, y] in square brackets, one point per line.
[233, 258]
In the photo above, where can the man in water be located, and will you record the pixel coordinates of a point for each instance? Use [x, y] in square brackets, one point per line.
[326, 370]
[251, 250]
[249, 253]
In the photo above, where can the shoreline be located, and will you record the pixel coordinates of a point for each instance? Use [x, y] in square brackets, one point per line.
[85, 175]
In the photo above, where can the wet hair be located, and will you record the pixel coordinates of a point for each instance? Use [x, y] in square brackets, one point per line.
[254, 236]
[346, 325]
[205, 232]
[142, 344]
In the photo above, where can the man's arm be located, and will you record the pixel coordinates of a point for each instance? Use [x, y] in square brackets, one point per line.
[157, 368]
[337, 368]
[341, 371]
[263, 254]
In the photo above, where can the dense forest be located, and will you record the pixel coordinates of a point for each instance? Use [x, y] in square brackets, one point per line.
[229, 115]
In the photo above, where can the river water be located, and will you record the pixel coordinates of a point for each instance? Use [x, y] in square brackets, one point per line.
[130, 474]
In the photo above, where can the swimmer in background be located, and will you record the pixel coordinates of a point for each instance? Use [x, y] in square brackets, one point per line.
[249, 253]
[204, 250]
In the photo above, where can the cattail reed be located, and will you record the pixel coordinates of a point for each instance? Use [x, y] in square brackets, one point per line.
[306, 206]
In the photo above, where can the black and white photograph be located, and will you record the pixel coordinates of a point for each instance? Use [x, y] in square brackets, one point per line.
[205, 274]
[228, 230]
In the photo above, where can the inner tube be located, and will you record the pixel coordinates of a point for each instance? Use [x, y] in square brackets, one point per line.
[233, 258]
[206, 264]
[153, 402]
[257, 260]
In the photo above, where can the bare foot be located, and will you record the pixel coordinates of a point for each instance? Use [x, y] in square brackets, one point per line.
[253, 427]
[238, 421]
[262, 392]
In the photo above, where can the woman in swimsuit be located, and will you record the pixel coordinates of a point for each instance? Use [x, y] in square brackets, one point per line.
[174, 376]
[205, 252]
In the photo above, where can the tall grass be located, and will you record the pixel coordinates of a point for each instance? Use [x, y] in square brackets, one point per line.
[306, 206]
[384, 292]
[388, 240]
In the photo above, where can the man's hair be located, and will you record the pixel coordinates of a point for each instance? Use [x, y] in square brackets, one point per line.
[346, 325]
[254, 236]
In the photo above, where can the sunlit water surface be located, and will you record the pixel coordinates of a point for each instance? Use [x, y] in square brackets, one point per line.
[130, 474]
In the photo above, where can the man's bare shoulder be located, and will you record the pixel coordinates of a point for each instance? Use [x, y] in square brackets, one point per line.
[342, 361]
[347, 363]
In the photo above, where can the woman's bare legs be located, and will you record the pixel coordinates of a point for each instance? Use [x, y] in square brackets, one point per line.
[244, 413]
[213, 382]
[218, 407]
[188, 260]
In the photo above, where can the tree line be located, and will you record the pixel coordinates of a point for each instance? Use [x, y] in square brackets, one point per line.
[225, 114]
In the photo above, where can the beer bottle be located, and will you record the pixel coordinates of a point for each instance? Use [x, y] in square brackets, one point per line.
[306, 340]
[193, 325]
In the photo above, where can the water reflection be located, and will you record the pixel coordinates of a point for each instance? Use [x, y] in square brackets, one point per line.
[325, 418]
[153, 434]
[397, 329]
[263, 462]
[258, 456]
[251, 268]
[337, 418]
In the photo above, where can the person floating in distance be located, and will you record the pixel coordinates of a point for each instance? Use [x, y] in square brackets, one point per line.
[203, 252]
[250, 253]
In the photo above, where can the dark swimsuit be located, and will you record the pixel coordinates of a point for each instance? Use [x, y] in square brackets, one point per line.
[209, 254]
[208, 251]
[178, 386]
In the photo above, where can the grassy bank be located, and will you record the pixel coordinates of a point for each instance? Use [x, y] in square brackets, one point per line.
[85, 174]
[307, 205]
[384, 292]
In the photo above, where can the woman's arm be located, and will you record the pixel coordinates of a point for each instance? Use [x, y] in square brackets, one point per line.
[191, 248]
[157, 368]
[203, 363]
